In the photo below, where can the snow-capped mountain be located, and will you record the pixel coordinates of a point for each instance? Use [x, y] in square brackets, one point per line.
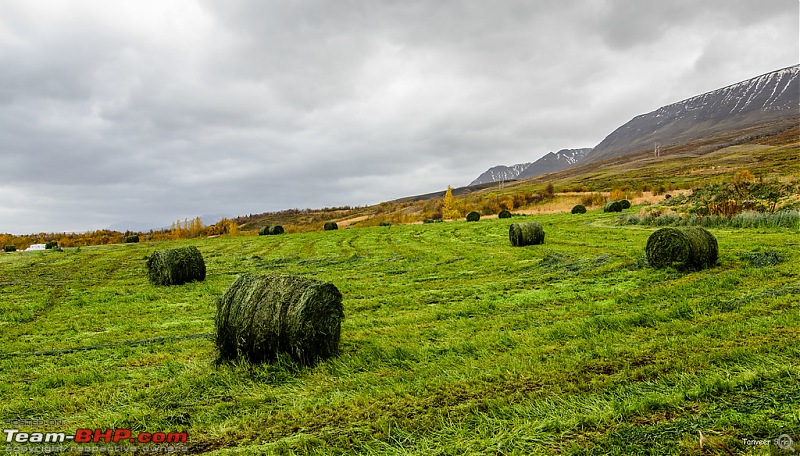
[501, 173]
[557, 161]
[550, 163]
[748, 103]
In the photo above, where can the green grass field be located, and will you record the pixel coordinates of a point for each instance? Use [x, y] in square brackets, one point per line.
[454, 342]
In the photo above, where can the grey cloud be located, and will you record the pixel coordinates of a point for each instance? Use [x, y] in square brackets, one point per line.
[153, 111]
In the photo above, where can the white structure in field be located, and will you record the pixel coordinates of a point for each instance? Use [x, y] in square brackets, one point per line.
[35, 247]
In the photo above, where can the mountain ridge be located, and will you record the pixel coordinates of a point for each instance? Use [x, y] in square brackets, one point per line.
[750, 104]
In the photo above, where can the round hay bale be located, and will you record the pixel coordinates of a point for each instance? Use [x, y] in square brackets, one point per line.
[625, 204]
[688, 247]
[10, 248]
[176, 266]
[262, 316]
[526, 233]
[504, 214]
[275, 230]
[51, 245]
[263, 231]
[132, 239]
[579, 209]
[330, 226]
[473, 216]
[613, 206]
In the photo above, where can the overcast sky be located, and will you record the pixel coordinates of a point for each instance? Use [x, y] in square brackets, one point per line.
[151, 111]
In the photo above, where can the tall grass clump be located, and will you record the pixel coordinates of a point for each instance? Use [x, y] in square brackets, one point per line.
[749, 219]
[176, 266]
[262, 316]
[526, 233]
[682, 248]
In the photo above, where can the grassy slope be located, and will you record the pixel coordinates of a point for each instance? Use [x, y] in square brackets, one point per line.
[454, 342]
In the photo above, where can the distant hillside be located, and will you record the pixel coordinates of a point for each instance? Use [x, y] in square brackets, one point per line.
[550, 163]
[758, 101]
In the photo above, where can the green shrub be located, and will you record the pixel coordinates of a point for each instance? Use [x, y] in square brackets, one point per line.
[390, 224]
[330, 226]
[427, 221]
[579, 209]
[473, 216]
[613, 206]
[262, 316]
[682, 248]
[504, 214]
[132, 239]
[176, 266]
[275, 230]
[10, 248]
[625, 204]
[526, 233]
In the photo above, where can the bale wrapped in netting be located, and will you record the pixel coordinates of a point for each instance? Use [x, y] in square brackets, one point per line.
[275, 229]
[625, 204]
[132, 239]
[504, 214]
[262, 316]
[473, 216]
[687, 247]
[176, 266]
[612, 206]
[263, 231]
[579, 209]
[526, 233]
[10, 248]
[51, 245]
[330, 226]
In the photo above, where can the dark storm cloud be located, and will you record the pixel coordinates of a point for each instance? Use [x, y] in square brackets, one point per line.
[153, 111]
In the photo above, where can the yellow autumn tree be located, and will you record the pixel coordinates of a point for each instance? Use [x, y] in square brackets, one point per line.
[449, 209]
[233, 228]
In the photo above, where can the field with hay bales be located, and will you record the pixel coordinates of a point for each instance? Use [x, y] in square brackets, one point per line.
[453, 342]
